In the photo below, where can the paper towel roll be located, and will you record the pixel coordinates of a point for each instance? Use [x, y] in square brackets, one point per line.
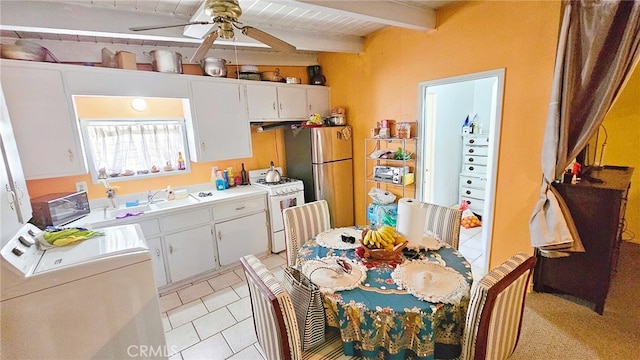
[412, 215]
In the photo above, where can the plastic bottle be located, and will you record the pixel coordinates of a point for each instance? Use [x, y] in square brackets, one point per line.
[170, 194]
[232, 179]
[243, 174]
[180, 162]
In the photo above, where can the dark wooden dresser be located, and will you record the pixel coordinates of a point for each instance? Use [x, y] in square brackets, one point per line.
[598, 210]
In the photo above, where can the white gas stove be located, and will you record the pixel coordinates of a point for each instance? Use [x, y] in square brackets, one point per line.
[286, 193]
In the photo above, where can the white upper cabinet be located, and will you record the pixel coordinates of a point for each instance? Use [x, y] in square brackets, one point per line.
[270, 102]
[318, 101]
[220, 127]
[45, 130]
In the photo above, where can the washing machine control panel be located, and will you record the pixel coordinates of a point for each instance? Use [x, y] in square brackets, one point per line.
[21, 254]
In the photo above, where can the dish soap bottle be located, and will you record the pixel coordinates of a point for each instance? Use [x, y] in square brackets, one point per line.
[180, 162]
[170, 194]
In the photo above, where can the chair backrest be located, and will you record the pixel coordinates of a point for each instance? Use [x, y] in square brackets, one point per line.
[496, 306]
[443, 223]
[303, 222]
[273, 313]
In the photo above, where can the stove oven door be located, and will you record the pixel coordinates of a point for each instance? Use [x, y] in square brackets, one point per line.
[277, 203]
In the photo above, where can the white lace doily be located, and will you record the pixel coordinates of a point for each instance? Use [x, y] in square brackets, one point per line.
[330, 277]
[332, 238]
[431, 282]
[426, 243]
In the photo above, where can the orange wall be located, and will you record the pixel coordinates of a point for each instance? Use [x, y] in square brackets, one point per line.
[382, 83]
[622, 146]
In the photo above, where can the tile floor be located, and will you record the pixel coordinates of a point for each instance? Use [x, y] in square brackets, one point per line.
[212, 319]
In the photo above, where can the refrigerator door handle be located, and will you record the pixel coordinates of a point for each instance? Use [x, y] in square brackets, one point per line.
[317, 182]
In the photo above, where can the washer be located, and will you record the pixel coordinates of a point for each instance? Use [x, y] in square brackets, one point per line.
[94, 299]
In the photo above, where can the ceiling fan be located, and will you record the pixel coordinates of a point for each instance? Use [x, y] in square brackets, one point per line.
[224, 14]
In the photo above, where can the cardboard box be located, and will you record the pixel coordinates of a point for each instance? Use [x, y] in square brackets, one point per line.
[126, 60]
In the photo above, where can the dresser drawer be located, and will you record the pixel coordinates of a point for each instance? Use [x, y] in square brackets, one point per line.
[475, 150]
[476, 140]
[471, 192]
[474, 204]
[474, 169]
[473, 182]
[472, 159]
[239, 208]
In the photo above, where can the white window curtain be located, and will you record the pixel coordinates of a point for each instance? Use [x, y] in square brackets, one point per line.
[121, 148]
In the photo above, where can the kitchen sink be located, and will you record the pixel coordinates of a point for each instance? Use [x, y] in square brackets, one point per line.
[121, 211]
[168, 204]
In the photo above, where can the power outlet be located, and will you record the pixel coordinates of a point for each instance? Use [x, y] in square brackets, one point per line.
[81, 186]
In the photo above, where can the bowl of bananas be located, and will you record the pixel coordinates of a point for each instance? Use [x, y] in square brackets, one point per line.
[383, 243]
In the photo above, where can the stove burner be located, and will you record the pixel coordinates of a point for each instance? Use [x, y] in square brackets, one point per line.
[205, 194]
[283, 180]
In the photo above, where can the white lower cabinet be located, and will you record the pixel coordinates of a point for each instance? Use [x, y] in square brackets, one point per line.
[157, 261]
[240, 237]
[190, 252]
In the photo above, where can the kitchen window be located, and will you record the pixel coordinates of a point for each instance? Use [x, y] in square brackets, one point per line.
[120, 150]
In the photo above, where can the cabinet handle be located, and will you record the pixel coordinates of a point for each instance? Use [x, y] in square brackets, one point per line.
[470, 159]
[274, 105]
[239, 208]
[280, 106]
[203, 146]
[219, 235]
[70, 155]
[469, 182]
[11, 198]
[471, 168]
[170, 249]
[471, 151]
[468, 192]
[158, 252]
[471, 141]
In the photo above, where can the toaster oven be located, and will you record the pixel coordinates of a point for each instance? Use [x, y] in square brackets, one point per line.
[392, 174]
[59, 208]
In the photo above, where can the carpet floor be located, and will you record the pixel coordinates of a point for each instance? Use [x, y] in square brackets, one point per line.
[562, 327]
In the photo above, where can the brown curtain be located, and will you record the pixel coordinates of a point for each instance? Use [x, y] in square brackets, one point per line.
[598, 47]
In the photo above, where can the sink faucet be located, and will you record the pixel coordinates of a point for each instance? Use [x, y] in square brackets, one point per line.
[151, 195]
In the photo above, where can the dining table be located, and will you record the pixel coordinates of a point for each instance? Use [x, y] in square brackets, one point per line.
[412, 306]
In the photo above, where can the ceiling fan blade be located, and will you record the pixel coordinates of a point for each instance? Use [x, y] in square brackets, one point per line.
[202, 50]
[153, 27]
[265, 38]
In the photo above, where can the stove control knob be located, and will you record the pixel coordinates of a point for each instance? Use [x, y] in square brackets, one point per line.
[278, 191]
[17, 251]
[26, 242]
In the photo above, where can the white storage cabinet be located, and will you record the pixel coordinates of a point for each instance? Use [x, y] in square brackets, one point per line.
[473, 178]
[319, 101]
[268, 102]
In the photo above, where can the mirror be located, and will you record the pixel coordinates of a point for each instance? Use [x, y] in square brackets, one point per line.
[454, 170]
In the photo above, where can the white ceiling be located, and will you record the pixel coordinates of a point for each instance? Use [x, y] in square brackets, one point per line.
[311, 26]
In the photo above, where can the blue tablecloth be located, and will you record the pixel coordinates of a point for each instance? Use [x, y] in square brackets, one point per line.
[378, 317]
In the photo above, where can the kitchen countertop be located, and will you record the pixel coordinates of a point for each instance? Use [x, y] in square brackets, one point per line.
[97, 219]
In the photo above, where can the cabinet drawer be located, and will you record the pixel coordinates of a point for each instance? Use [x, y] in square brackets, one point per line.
[473, 182]
[479, 140]
[475, 150]
[149, 227]
[185, 219]
[238, 208]
[478, 160]
[471, 192]
[474, 204]
[474, 169]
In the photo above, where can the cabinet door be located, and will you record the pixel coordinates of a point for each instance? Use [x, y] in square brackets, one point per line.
[221, 127]
[318, 101]
[157, 261]
[43, 123]
[240, 237]
[262, 102]
[292, 102]
[190, 252]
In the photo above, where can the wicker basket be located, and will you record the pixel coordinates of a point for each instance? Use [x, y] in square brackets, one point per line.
[383, 254]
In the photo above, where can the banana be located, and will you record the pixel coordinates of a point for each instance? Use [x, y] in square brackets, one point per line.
[399, 239]
[386, 237]
[367, 238]
[376, 238]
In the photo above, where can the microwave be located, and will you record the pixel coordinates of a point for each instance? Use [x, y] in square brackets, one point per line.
[392, 174]
[59, 208]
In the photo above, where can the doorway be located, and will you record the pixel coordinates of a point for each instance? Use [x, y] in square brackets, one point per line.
[445, 104]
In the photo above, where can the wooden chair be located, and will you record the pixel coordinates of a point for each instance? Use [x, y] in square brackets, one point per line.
[443, 223]
[494, 317]
[303, 222]
[275, 321]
